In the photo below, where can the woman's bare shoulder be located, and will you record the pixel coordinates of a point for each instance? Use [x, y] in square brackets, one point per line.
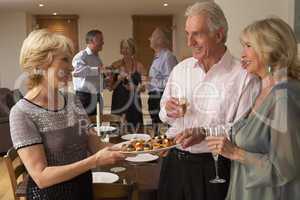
[117, 63]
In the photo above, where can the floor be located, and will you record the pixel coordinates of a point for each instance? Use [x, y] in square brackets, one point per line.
[5, 188]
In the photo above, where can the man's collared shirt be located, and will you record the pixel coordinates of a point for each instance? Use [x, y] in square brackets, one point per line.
[86, 77]
[220, 96]
[160, 70]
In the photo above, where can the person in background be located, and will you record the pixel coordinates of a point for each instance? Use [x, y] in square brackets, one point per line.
[49, 128]
[265, 143]
[127, 86]
[159, 72]
[209, 88]
[86, 74]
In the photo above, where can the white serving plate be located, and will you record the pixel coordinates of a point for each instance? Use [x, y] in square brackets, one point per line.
[104, 177]
[144, 157]
[109, 130]
[106, 128]
[136, 136]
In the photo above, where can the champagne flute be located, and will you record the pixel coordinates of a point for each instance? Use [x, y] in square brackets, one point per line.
[183, 103]
[219, 130]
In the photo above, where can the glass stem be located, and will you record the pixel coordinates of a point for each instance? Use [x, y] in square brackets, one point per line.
[217, 170]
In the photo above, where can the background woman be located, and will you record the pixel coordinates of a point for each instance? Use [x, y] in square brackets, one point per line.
[127, 85]
[265, 143]
[49, 128]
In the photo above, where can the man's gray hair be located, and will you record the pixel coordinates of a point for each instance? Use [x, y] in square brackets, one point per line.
[165, 35]
[216, 17]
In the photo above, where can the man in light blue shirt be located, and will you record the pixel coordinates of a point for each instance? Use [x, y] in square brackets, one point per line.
[161, 67]
[86, 75]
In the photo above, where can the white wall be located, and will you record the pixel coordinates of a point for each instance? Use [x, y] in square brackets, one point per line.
[114, 28]
[241, 13]
[12, 34]
[180, 47]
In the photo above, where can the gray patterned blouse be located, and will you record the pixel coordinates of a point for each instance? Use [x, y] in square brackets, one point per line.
[63, 134]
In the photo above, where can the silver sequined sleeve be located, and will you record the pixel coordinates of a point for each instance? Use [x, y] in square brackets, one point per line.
[22, 128]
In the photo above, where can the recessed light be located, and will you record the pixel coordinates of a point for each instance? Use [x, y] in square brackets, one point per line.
[55, 13]
[166, 4]
[41, 5]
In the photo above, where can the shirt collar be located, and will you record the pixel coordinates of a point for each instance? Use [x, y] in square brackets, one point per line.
[89, 51]
[223, 62]
[159, 53]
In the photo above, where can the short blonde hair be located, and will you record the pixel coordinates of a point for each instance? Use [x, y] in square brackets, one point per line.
[275, 43]
[38, 51]
[216, 17]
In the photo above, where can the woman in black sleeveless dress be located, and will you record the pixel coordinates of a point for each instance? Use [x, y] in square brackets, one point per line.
[127, 85]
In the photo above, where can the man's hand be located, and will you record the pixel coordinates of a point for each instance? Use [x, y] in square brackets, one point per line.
[190, 137]
[173, 108]
[100, 68]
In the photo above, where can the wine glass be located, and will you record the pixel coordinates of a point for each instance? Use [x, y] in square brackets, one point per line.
[219, 130]
[183, 103]
[104, 137]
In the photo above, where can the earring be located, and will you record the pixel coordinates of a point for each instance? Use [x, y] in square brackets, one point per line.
[37, 71]
[270, 70]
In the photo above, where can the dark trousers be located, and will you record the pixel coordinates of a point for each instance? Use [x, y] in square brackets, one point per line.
[185, 176]
[89, 102]
[154, 108]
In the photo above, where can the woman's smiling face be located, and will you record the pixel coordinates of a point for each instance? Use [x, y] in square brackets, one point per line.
[250, 59]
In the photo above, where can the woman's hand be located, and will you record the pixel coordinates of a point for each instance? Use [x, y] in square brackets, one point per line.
[122, 76]
[142, 88]
[108, 156]
[190, 136]
[221, 145]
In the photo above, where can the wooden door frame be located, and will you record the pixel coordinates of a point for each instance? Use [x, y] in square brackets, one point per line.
[66, 17]
[135, 30]
[134, 17]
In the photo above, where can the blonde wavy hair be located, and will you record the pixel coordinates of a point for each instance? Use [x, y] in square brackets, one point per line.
[130, 44]
[38, 52]
[275, 43]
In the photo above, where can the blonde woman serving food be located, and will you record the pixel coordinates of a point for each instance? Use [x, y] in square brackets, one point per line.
[49, 128]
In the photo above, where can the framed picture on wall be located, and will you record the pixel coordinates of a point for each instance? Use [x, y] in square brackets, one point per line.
[297, 20]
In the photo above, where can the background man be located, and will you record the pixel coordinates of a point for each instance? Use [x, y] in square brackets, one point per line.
[86, 75]
[161, 67]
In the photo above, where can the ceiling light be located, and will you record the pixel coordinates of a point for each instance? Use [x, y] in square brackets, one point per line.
[41, 5]
[166, 4]
[55, 13]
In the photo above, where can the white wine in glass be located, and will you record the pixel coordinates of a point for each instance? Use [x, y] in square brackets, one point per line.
[219, 130]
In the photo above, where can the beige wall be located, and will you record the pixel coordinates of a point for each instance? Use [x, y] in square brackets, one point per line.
[114, 29]
[240, 13]
[12, 34]
[181, 50]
